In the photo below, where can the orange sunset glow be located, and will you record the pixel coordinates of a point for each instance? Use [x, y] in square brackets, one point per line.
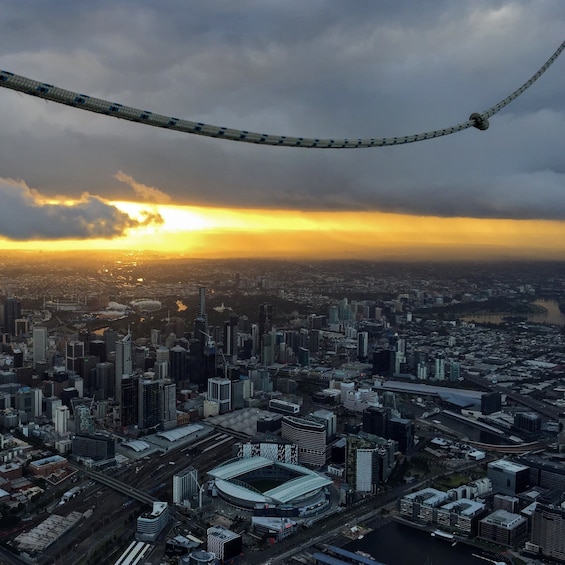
[222, 232]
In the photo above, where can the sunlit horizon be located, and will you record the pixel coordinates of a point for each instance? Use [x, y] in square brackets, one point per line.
[202, 232]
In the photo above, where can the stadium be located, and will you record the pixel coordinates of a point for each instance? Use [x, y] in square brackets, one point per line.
[258, 482]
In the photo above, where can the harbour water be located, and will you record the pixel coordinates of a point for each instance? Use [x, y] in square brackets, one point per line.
[398, 544]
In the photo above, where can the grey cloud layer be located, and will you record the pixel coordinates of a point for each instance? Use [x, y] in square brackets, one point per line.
[316, 69]
[25, 215]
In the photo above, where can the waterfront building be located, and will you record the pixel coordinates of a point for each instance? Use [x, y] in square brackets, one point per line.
[528, 421]
[421, 505]
[548, 532]
[504, 528]
[508, 477]
[461, 515]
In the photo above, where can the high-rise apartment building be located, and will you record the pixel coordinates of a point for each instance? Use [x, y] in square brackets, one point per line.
[265, 322]
[310, 437]
[129, 405]
[548, 532]
[185, 485]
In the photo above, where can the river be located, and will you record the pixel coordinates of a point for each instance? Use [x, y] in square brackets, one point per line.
[398, 544]
[552, 315]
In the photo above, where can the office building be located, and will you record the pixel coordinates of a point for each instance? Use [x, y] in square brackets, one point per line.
[265, 322]
[129, 406]
[74, 351]
[508, 477]
[168, 406]
[39, 335]
[51, 405]
[223, 543]
[36, 402]
[104, 380]
[12, 312]
[231, 338]
[151, 524]
[363, 345]
[504, 528]
[94, 446]
[219, 390]
[491, 402]
[179, 364]
[528, 421]
[97, 348]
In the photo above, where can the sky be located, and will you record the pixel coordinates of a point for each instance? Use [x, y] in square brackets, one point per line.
[356, 69]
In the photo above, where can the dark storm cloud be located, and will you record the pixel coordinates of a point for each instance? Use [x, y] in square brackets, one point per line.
[25, 215]
[316, 69]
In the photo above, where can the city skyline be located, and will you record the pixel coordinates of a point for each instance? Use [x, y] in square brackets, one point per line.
[72, 180]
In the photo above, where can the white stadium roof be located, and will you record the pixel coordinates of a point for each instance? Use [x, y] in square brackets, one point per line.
[226, 480]
[180, 433]
[137, 445]
[239, 467]
[296, 488]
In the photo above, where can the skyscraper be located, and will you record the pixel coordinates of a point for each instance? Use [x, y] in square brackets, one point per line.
[124, 363]
[265, 322]
[61, 419]
[201, 306]
[12, 311]
[149, 403]
[74, 351]
[39, 344]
